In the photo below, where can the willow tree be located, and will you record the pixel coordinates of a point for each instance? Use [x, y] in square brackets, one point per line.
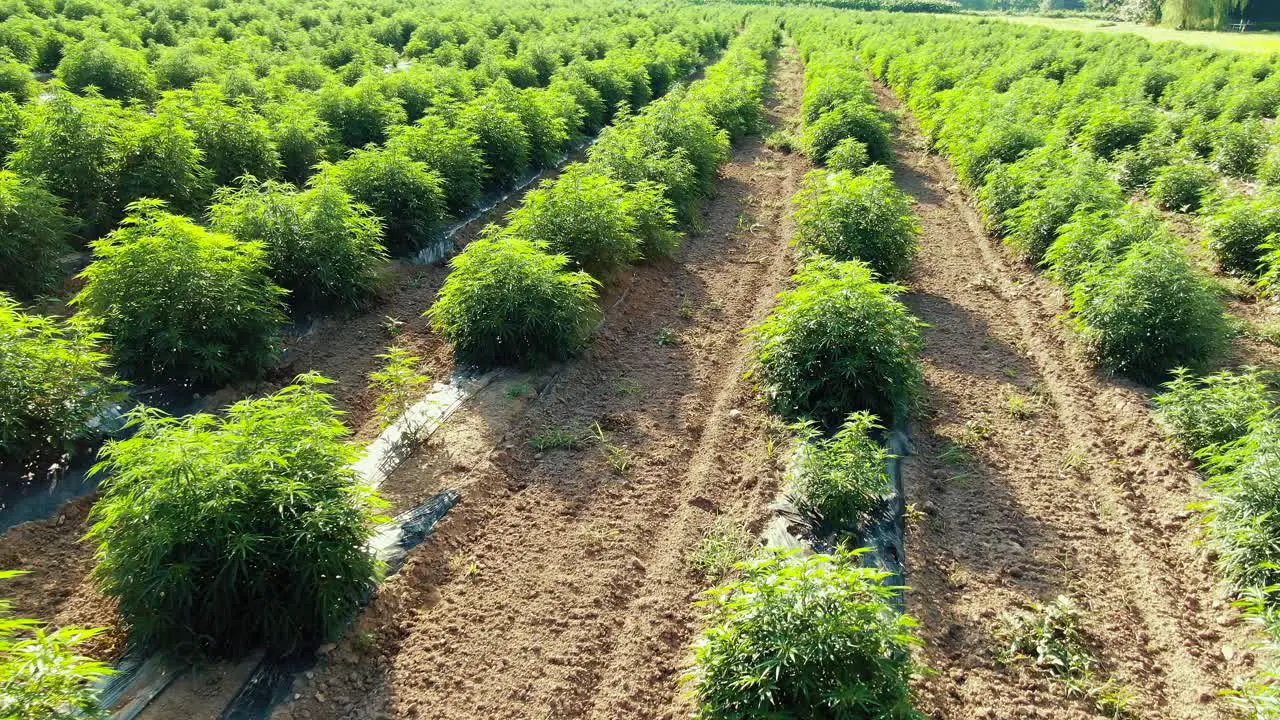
[1190, 14]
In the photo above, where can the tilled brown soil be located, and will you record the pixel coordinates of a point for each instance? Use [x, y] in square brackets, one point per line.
[559, 586]
[1036, 476]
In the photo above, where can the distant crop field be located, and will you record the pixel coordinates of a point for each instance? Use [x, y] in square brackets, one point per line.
[1254, 42]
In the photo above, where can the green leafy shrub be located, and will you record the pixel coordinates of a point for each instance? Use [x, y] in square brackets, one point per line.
[1237, 229]
[73, 145]
[807, 637]
[358, 115]
[41, 676]
[848, 154]
[583, 215]
[399, 384]
[117, 72]
[857, 217]
[1148, 313]
[630, 156]
[655, 219]
[1098, 239]
[234, 139]
[836, 343]
[1136, 168]
[321, 246]
[301, 138]
[997, 143]
[1033, 226]
[407, 195]
[1114, 127]
[452, 152]
[1183, 185]
[1269, 167]
[180, 302]
[849, 120]
[841, 479]
[33, 236]
[217, 534]
[507, 300]
[1202, 412]
[501, 137]
[15, 80]
[56, 382]
[1244, 507]
[1240, 148]
[160, 160]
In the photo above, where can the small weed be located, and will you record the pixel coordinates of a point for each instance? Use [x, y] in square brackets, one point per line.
[517, 390]
[618, 458]
[686, 309]
[722, 546]
[1021, 407]
[554, 437]
[781, 140]
[1075, 461]
[365, 643]
[1267, 331]
[627, 387]
[973, 435]
[1051, 637]
[599, 535]
[399, 384]
[668, 337]
[1009, 371]
[747, 223]
[392, 326]
[462, 564]
[954, 454]
[913, 515]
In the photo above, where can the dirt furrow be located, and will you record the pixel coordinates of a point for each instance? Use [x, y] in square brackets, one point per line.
[1037, 477]
[559, 586]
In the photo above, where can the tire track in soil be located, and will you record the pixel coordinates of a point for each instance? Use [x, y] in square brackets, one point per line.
[1082, 498]
[558, 587]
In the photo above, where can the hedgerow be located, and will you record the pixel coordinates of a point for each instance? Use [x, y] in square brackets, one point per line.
[838, 342]
[812, 636]
[857, 217]
[182, 500]
[180, 302]
[508, 300]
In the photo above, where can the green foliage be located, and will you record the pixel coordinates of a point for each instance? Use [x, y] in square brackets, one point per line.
[836, 343]
[41, 676]
[452, 152]
[1149, 312]
[73, 145]
[399, 384]
[1085, 186]
[857, 217]
[56, 382]
[655, 219]
[1182, 186]
[1238, 228]
[1240, 148]
[359, 115]
[217, 534]
[1243, 522]
[117, 72]
[180, 302]
[848, 154]
[321, 246]
[33, 236]
[234, 138]
[407, 195]
[1209, 411]
[1114, 127]
[501, 137]
[840, 480]
[160, 160]
[849, 120]
[583, 215]
[721, 548]
[302, 140]
[1098, 239]
[1136, 168]
[806, 637]
[507, 300]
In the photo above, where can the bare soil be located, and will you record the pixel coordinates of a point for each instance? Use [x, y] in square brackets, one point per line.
[559, 586]
[1076, 493]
